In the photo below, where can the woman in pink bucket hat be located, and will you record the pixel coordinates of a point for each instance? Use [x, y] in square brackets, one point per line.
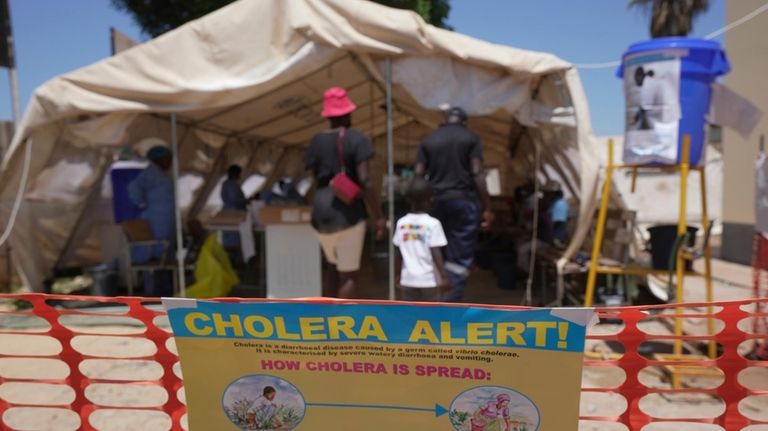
[336, 103]
[340, 225]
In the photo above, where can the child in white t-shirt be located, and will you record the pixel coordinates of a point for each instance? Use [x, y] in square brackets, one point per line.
[419, 238]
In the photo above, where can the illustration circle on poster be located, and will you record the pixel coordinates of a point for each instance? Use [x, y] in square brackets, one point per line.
[263, 402]
[491, 408]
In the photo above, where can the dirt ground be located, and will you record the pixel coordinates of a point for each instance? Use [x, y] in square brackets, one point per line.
[104, 340]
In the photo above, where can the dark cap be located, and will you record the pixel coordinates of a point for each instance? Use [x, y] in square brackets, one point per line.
[455, 115]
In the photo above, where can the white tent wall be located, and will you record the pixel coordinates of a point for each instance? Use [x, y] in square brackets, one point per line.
[588, 167]
[246, 83]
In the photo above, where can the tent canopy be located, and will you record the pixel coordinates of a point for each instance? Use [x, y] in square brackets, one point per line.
[246, 84]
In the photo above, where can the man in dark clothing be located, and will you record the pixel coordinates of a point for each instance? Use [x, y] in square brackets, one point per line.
[452, 158]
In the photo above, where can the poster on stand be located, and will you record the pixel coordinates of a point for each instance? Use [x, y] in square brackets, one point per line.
[378, 366]
[652, 94]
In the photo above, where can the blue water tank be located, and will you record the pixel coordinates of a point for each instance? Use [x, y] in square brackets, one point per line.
[122, 173]
[702, 62]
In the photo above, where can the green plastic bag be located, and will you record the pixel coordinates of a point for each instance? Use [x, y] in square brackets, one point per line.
[213, 272]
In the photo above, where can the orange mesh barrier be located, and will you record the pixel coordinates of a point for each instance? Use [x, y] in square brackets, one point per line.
[731, 379]
[759, 290]
[86, 359]
[90, 367]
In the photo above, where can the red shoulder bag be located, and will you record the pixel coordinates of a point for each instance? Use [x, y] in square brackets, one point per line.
[345, 189]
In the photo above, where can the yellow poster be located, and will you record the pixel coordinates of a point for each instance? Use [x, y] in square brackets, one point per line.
[378, 367]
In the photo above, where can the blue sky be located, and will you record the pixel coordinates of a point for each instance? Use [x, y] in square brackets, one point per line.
[57, 36]
[579, 31]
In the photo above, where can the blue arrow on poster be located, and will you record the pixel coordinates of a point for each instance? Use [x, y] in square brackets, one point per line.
[438, 410]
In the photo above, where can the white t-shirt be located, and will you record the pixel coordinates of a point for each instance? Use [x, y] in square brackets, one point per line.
[415, 235]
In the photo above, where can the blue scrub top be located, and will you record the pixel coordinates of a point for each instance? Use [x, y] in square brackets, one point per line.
[152, 191]
[559, 211]
[232, 195]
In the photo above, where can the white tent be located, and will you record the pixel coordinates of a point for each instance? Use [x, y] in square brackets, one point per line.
[245, 85]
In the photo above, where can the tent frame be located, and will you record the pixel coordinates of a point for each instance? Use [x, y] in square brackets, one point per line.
[181, 250]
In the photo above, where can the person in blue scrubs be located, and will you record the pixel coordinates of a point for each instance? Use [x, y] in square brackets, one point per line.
[231, 192]
[233, 199]
[559, 211]
[153, 192]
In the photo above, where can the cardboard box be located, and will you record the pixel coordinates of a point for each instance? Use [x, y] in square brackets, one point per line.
[285, 215]
[226, 220]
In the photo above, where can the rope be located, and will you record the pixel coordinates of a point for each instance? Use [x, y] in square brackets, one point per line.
[738, 22]
[743, 20]
[606, 65]
[19, 193]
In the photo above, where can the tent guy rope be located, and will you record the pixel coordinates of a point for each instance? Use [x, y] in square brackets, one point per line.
[19, 194]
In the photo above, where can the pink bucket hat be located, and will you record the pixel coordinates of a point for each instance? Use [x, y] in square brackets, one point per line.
[503, 397]
[336, 103]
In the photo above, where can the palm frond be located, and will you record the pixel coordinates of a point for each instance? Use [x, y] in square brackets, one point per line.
[671, 17]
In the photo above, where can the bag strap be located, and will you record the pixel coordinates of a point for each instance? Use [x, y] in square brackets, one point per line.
[340, 146]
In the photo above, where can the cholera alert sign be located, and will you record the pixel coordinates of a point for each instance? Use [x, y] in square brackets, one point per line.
[363, 366]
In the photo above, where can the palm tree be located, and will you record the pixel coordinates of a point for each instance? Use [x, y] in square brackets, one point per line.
[671, 17]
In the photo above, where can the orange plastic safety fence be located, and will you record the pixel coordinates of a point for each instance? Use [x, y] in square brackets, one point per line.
[85, 367]
[735, 376]
[760, 290]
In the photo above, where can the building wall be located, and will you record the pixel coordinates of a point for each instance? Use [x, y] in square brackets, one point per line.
[747, 48]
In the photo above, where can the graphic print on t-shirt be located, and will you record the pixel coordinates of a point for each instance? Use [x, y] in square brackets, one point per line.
[415, 236]
[414, 232]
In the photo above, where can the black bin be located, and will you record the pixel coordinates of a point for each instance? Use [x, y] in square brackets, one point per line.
[503, 264]
[105, 280]
[663, 239]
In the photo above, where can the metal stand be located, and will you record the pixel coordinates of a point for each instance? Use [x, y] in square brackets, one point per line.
[682, 256]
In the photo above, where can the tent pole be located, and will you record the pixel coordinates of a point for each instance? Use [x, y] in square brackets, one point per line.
[528, 298]
[13, 81]
[390, 183]
[180, 251]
